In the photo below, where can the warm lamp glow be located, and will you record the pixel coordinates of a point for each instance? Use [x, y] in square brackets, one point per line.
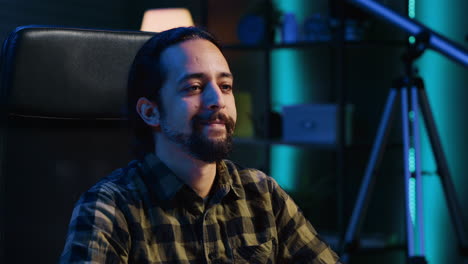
[157, 20]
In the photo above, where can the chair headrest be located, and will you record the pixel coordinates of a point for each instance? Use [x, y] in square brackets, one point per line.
[68, 72]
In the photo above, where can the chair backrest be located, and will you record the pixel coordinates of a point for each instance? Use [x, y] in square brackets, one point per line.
[62, 95]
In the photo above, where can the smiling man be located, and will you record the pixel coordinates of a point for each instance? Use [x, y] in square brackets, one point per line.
[181, 201]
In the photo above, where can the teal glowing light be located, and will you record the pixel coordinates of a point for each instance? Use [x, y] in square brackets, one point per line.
[284, 166]
[287, 80]
[445, 82]
[411, 116]
[412, 200]
[412, 8]
[412, 14]
[412, 160]
[287, 88]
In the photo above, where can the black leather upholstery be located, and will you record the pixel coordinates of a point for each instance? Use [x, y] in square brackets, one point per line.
[64, 72]
[57, 86]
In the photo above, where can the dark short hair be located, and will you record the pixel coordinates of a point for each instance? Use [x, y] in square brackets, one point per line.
[147, 76]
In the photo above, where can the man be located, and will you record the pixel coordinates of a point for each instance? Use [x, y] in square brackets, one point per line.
[182, 202]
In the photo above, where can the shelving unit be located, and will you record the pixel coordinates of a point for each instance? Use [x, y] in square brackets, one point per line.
[345, 88]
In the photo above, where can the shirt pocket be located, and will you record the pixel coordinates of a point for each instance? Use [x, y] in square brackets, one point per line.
[255, 254]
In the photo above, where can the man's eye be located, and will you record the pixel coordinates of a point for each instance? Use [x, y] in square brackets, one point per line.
[193, 88]
[226, 87]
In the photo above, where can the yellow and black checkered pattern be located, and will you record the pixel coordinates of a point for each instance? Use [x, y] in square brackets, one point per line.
[145, 214]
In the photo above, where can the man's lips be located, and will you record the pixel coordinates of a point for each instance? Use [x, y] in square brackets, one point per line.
[213, 122]
[213, 125]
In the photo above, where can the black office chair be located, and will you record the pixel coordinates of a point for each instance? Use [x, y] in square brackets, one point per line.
[63, 92]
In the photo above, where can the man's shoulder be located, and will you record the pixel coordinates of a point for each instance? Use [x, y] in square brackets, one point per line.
[119, 182]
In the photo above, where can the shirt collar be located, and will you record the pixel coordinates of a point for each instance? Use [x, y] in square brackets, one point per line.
[225, 175]
[165, 184]
[160, 179]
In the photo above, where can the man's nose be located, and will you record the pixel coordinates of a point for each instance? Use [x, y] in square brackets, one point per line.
[213, 97]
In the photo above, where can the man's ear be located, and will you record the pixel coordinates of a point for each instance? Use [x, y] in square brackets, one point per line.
[148, 111]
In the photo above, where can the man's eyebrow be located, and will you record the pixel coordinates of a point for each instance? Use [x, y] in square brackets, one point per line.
[225, 75]
[191, 76]
[202, 76]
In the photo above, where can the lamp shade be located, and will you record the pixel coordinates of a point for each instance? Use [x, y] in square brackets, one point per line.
[157, 20]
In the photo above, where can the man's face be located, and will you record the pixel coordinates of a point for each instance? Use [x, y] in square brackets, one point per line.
[198, 110]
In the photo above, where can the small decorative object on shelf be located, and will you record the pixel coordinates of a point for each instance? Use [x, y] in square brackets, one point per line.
[316, 28]
[314, 123]
[289, 29]
[259, 23]
[354, 30]
[244, 126]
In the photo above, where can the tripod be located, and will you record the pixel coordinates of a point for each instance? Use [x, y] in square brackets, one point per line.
[412, 92]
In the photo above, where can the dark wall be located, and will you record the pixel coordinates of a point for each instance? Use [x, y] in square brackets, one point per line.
[112, 14]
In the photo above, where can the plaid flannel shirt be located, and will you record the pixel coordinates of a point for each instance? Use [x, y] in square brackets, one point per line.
[145, 214]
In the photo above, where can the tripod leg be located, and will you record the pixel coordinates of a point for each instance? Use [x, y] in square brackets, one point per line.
[369, 177]
[417, 157]
[406, 147]
[443, 171]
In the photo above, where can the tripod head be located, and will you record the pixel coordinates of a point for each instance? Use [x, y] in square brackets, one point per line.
[414, 51]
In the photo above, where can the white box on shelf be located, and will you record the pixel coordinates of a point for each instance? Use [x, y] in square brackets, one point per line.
[310, 123]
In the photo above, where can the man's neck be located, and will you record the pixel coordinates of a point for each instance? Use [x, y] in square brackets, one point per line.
[197, 174]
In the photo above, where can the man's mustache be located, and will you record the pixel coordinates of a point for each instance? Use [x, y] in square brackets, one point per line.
[213, 116]
[208, 117]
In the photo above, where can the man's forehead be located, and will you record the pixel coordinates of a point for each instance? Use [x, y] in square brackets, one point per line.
[194, 54]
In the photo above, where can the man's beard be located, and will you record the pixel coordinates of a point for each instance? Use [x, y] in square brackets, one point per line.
[198, 145]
